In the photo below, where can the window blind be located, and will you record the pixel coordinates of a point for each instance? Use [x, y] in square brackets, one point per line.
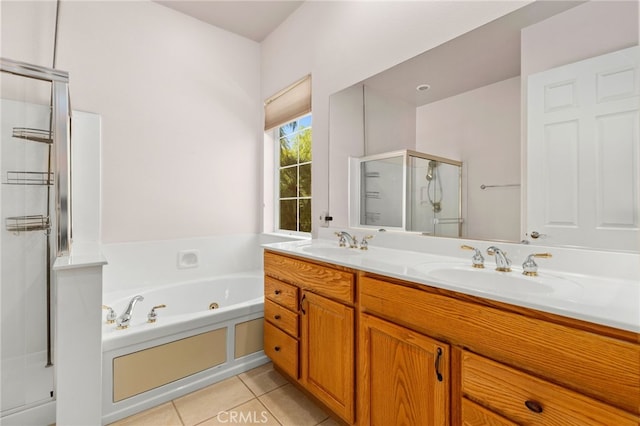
[288, 104]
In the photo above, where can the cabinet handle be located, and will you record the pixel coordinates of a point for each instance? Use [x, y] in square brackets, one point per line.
[277, 292]
[304, 296]
[277, 348]
[276, 317]
[534, 406]
[437, 366]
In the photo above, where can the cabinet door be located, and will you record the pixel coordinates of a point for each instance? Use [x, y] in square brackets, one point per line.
[327, 353]
[403, 376]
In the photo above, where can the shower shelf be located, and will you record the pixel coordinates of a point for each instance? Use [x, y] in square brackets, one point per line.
[27, 223]
[29, 178]
[36, 135]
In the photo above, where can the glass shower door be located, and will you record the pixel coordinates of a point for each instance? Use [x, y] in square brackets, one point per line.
[26, 246]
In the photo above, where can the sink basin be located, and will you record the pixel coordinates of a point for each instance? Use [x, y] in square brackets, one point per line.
[490, 280]
[329, 251]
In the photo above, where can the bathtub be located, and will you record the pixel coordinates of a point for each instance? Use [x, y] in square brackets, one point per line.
[210, 329]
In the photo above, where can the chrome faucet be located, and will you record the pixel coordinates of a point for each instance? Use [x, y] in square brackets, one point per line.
[503, 264]
[478, 259]
[124, 318]
[530, 267]
[346, 237]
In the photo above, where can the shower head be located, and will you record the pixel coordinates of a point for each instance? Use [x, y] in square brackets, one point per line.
[432, 165]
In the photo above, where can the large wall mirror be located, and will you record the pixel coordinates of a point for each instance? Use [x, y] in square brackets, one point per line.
[467, 100]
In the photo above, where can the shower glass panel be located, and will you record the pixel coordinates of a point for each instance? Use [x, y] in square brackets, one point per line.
[28, 243]
[434, 197]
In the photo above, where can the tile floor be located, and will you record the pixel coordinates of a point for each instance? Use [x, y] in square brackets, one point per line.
[258, 397]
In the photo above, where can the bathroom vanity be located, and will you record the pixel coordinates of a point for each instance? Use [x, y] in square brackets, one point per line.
[382, 348]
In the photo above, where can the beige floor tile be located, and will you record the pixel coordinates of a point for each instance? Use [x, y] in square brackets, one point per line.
[249, 413]
[262, 379]
[292, 408]
[162, 415]
[329, 422]
[208, 402]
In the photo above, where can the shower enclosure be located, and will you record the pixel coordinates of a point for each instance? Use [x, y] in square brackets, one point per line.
[34, 201]
[406, 191]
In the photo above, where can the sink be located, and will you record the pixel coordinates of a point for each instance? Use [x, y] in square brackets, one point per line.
[331, 251]
[490, 280]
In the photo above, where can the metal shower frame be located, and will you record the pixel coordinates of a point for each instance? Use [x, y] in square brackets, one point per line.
[61, 134]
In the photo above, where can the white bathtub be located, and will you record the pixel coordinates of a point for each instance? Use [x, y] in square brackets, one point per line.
[239, 297]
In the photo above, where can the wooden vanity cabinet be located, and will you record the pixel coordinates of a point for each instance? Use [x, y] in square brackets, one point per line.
[324, 334]
[403, 376]
[509, 365]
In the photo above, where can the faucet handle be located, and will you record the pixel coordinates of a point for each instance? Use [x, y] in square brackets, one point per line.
[153, 315]
[111, 315]
[478, 259]
[530, 267]
[342, 242]
[364, 244]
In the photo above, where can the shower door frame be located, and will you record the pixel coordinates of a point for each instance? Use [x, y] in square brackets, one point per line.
[61, 133]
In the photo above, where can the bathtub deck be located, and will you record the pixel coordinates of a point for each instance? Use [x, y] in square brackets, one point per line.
[259, 396]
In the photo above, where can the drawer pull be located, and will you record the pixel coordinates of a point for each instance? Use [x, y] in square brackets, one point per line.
[534, 406]
[277, 349]
[437, 366]
[277, 292]
[276, 317]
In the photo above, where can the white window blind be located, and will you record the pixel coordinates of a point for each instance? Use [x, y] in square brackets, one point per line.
[288, 104]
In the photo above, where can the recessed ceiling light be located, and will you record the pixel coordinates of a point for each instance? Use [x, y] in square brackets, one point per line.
[423, 87]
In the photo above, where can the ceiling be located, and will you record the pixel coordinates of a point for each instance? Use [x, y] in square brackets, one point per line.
[486, 55]
[251, 19]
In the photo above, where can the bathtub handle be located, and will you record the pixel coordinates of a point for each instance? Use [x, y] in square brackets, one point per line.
[111, 315]
[153, 315]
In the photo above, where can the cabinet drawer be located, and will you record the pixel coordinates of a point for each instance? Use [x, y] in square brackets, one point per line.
[330, 282]
[282, 349]
[602, 367]
[281, 293]
[476, 415]
[529, 400]
[281, 317]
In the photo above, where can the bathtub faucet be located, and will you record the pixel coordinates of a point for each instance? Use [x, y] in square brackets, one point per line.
[124, 319]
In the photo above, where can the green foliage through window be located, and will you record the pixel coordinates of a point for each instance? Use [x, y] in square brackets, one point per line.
[295, 175]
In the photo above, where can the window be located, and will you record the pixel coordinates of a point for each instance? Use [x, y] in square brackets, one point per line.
[293, 174]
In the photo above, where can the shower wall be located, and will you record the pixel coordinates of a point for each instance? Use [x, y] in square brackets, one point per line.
[24, 262]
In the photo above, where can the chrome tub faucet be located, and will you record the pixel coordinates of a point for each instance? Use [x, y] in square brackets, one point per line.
[124, 318]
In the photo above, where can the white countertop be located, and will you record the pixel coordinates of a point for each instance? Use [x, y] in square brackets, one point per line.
[613, 302]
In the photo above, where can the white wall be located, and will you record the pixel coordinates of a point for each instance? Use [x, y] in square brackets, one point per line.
[342, 43]
[481, 128]
[180, 106]
[389, 123]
